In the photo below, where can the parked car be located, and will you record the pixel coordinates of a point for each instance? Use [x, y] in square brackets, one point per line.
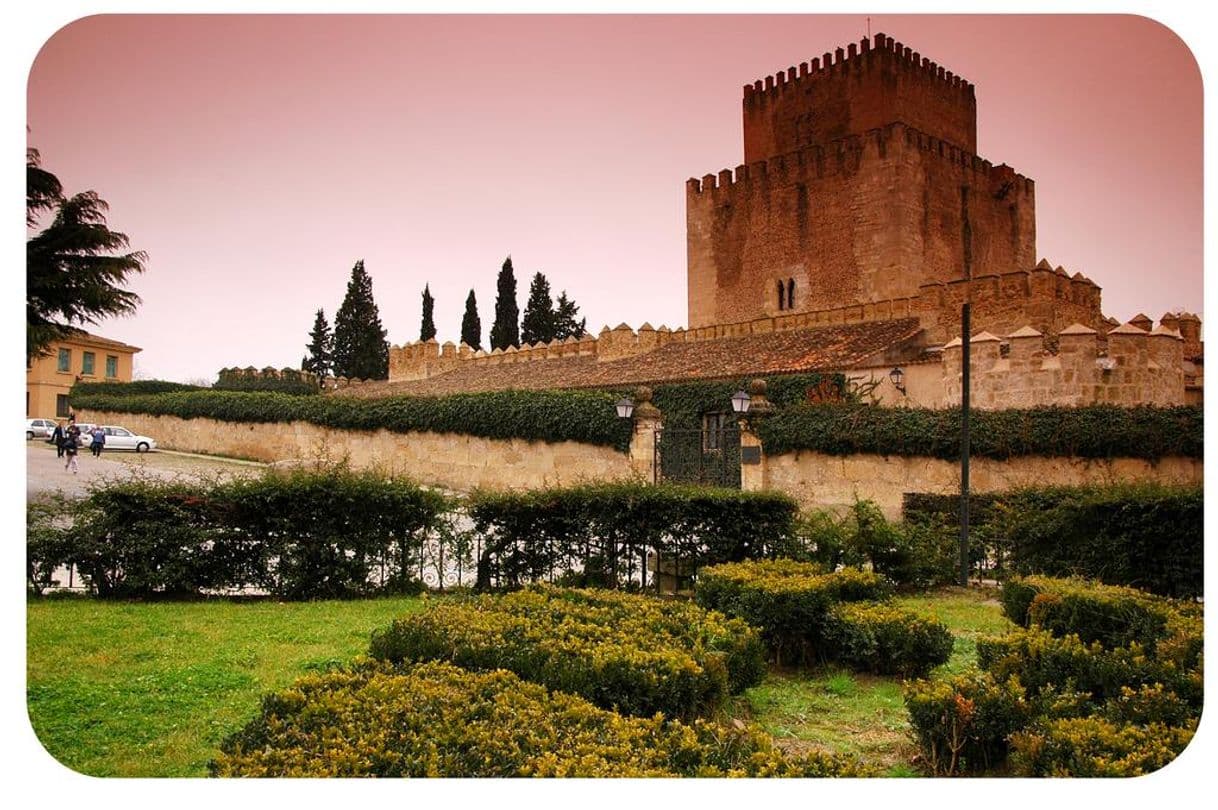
[38, 428]
[119, 438]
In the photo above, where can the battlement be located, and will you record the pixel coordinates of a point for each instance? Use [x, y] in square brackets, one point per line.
[855, 57]
[236, 376]
[846, 156]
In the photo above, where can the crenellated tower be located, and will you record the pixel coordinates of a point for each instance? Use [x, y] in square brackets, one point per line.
[860, 184]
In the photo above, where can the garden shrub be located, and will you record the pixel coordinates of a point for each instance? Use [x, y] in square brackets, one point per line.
[961, 724]
[636, 654]
[1095, 747]
[85, 389]
[788, 600]
[435, 720]
[527, 535]
[885, 639]
[48, 522]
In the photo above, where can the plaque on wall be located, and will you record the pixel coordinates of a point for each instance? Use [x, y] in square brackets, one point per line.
[750, 455]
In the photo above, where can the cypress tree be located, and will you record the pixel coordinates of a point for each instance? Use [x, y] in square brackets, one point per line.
[565, 325]
[320, 357]
[538, 321]
[471, 324]
[505, 331]
[428, 330]
[360, 348]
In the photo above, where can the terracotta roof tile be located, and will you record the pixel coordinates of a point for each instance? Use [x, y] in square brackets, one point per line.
[827, 348]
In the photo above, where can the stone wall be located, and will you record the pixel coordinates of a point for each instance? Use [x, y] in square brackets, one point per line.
[443, 459]
[821, 481]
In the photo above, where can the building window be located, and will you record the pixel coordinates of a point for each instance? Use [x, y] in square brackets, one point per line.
[65, 359]
[713, 426]
[86, 363]
[111, 366]
[790, 293]
[61, 405]
[782, 296]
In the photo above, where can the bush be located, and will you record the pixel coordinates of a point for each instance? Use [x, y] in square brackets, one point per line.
[437, 720]
[635, 654]
[122, 389]
[1111, 615]
[885, 639]
[48, 523]
[1141, 535]
[528, 535]
[1094, 747]
[961, 725]
[787, 600]
[1092, 431]
[302, 535]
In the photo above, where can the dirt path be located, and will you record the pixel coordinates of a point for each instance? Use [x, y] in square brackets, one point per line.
[45, 472]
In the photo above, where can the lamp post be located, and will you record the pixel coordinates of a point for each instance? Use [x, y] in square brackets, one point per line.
[625, 408]
[740, 402]
[897, 375]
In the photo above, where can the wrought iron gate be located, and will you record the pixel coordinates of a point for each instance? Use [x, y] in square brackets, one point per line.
[696, 456]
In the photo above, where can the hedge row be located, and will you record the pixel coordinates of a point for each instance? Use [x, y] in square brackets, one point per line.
[550, 416]
[1146, 536]
[126, 389]
[1058, 705]
[300, 535]
[806, 614]
[633, 654]
[529, 535]
[435, 720]
[1093, 431]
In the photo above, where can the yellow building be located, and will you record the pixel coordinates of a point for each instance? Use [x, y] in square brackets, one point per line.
[82, 358]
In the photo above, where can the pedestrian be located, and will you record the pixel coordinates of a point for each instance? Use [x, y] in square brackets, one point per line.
[70, 447]
[99, 440]
[57, 438]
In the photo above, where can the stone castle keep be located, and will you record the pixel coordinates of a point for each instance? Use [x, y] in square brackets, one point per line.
[858, 223]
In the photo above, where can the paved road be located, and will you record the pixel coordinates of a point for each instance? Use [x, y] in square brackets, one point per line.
[45, 472]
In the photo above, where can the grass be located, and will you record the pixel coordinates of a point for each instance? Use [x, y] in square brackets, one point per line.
[132, 689]
[151, 689]
[855, 713]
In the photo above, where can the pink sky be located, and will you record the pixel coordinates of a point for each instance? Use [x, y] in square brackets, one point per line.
[256, 158]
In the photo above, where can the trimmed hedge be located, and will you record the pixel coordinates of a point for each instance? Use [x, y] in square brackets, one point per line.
[302, 535]
[437, 720]
[550, 416]
[962, 724]
[528, 535]
[633, 654]
[126, 389]
[886, 639]
[1141, 535]
[1094, 747]
[1093, 431]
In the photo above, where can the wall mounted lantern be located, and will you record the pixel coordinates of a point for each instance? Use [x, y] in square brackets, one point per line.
[740, 402]
[625, 407]
[898, 379]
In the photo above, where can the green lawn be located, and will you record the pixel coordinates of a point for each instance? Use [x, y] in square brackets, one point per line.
[132, 689]
[127, 689]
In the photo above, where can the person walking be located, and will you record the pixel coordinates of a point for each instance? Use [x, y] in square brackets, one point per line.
[70, 448]
[57, 438]
[99, 440]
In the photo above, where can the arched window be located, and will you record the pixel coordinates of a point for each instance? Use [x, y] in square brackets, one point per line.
[782, 293]
[790, 293]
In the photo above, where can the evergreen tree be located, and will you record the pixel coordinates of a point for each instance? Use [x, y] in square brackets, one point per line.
[565, 325]
[471, 324]
[360, 348]
[320, 357]
[538, 321]
[428, 331]
[505, 331]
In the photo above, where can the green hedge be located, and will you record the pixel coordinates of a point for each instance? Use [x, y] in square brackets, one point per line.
[1093, 431]
[1142, 535]
[633, 654]
[886, 639]
[962, 724]
[610, 528]
[1095, 747]
[435, 720]
[300, 535]
[788, 600]
[127, 389]
[551, 416]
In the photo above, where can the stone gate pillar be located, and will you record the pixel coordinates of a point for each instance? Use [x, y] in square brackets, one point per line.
[752, 457]
[647, 423]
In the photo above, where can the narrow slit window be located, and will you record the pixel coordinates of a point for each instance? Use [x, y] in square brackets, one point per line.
[790, 293]
[782, 292]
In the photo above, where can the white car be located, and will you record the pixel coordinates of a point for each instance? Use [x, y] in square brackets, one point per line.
[38, 428]
[119, 438]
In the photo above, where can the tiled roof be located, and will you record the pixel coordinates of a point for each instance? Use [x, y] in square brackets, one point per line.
[827, 348]
[81, 336]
